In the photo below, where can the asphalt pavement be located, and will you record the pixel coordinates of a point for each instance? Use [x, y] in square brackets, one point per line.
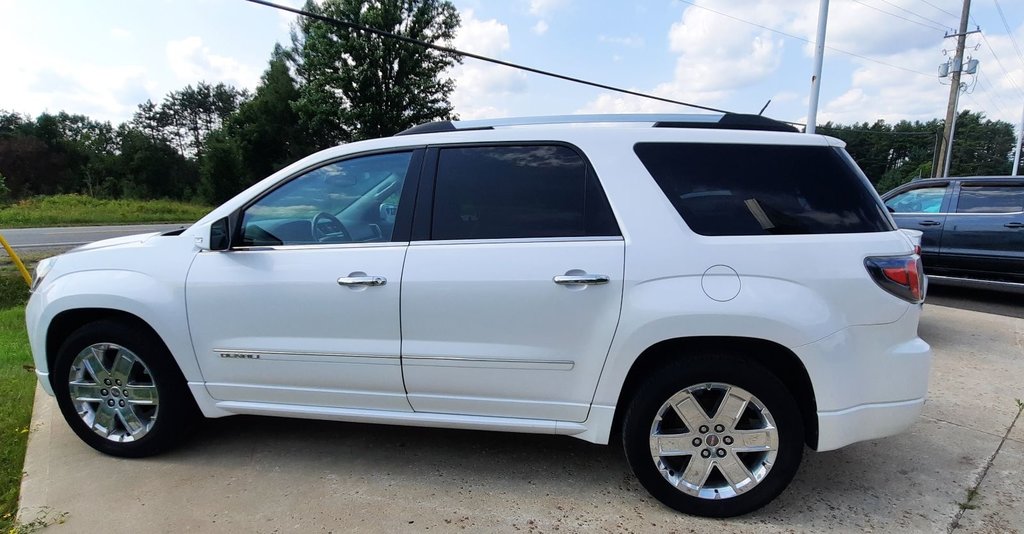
[255, 474]
[29, 238]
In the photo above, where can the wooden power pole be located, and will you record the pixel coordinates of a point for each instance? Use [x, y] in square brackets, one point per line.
[954, 92]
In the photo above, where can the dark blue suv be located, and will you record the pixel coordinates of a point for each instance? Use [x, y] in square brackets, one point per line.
[973, 227]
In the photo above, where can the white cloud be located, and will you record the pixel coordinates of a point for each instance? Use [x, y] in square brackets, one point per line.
[120, 34]
[484, 37]
[714, 56]
[192, 62]
[541, 8]
[36, 81]
[540, 28]
[632, 41]
[477, 85]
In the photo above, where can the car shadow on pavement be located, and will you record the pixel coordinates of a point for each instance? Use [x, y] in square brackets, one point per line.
[1006, 303]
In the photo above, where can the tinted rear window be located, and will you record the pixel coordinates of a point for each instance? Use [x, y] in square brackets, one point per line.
[990, 199]
[727, 189]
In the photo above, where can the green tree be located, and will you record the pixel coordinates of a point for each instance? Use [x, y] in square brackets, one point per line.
[981, 147]
[151, 168]
[221, 170]
[193, 113]
[356, 85]
[261, 138]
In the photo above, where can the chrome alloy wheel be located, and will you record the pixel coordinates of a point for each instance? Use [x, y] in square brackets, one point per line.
[113, 392]
[714, 441]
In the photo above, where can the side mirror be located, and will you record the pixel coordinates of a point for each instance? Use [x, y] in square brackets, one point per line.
[214, 236]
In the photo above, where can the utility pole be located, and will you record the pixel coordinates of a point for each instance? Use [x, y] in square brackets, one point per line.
[954, 92]
[819, 56]
[1016, 151]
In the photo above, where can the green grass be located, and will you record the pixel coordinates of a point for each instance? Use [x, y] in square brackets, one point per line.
[17, 386]
[69, 210]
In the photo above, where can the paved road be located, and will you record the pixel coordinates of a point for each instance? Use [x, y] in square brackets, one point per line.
[251, 474]
[28, 238]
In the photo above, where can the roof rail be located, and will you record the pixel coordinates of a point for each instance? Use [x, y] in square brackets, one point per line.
[728, 121]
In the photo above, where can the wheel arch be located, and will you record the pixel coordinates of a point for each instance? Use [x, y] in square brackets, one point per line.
[778, 359]
[66, 322]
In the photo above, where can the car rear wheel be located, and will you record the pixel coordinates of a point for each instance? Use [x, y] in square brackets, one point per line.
[120, 390]
[715, 436]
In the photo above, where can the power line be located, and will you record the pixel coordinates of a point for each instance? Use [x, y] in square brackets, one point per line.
[891, 14]
[1000, 63]
[1009, 32]
[448, 50]
[791, 36]
[992, 102]
[954, 15]
[991, 91]
[918, 15]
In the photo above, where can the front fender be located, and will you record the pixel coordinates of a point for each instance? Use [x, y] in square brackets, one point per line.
[160, 304]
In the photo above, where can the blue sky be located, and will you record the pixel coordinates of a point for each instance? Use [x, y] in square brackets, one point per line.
[103, 57]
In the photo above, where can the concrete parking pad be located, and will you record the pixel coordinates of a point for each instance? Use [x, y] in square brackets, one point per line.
[274, 475]
[999, 504]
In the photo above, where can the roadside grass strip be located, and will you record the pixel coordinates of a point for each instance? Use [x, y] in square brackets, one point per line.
[70, 210]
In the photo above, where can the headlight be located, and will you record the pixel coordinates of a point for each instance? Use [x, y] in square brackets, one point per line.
[42, 269]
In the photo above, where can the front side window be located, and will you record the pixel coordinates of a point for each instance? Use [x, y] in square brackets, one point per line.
[922, 200]
[735, 189]
[503, 192]
[990, 199]
[354, 200]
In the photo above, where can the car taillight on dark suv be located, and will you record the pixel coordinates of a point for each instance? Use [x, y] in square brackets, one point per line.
[900, 275]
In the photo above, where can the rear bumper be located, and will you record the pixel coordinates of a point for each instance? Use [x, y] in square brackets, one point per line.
[869, 381]
[843, 427]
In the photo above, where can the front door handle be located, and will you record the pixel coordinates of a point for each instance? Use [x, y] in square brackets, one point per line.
[581, 279]
[370, 281]
[1014, 224]
[929, 223]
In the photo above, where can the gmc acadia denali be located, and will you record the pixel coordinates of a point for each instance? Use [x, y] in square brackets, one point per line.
[717, 291]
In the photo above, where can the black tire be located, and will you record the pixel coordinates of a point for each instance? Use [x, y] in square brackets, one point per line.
[675, 378]
[176, 406]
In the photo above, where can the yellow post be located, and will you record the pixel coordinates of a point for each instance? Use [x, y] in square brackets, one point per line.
[17, 261]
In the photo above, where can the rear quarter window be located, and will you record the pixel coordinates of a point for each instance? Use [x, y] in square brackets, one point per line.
[733, 189]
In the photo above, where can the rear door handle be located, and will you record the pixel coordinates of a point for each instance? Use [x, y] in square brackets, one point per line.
[929, 223]
[371, 281]
[1014, 224]
[581, 279]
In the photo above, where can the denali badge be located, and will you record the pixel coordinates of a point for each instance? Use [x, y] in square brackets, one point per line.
[241, 355]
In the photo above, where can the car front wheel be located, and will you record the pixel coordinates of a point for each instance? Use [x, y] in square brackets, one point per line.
[120, 390]
[715, 436]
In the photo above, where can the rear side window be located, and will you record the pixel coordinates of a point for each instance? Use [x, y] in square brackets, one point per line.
[730, 189]
[990, 199]
[503, 192]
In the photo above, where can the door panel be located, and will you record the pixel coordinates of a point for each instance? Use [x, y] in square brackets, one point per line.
[923, 208]
[276, 326]
[487, 331]
[304, 309]
[981, 242]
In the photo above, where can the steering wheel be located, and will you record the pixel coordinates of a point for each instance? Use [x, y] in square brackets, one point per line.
[327, 227]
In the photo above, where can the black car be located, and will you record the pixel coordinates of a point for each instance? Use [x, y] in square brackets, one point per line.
[973, 226]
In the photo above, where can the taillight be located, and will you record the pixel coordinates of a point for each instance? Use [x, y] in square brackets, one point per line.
[900, 275]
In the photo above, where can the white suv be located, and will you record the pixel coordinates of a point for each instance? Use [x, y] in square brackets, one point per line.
[718, 290]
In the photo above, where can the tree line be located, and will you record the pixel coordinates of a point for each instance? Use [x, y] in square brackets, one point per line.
[207, 142]
[893, 154]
